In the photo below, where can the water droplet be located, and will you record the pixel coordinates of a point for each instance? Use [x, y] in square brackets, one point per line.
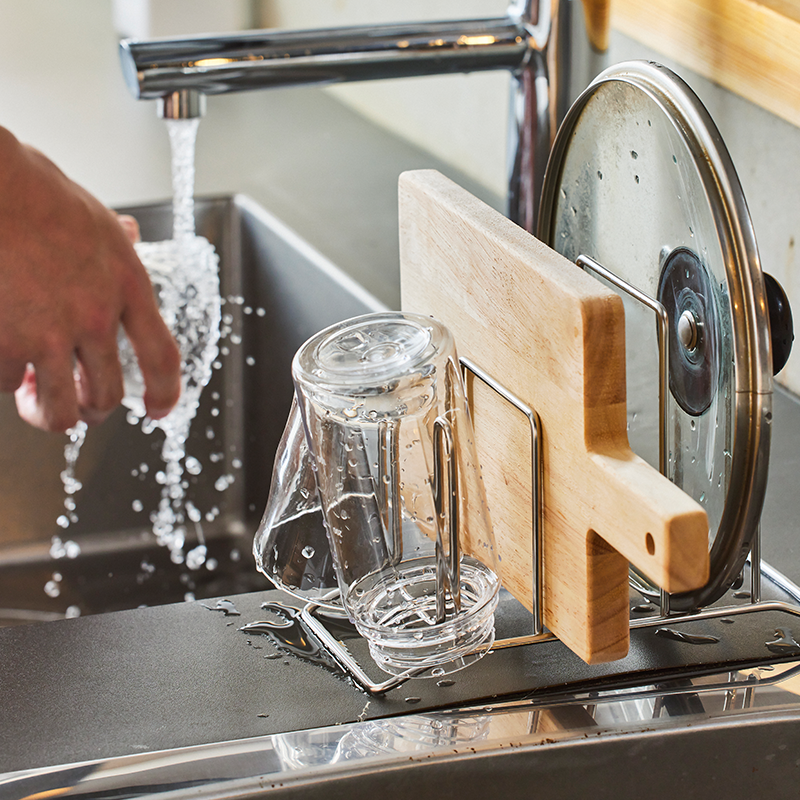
[52, 589]
[250, 361]
[308, 551]
[413, 700]
[193, 512]
[72, 612]
[193, 466]
[137, 505]
[223, 482]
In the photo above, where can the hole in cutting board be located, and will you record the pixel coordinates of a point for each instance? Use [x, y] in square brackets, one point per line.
[650, 543]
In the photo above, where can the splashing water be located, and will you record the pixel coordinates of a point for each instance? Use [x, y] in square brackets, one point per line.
[185, 277]
[76, 437]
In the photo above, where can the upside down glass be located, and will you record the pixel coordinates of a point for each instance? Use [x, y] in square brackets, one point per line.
[390, 443]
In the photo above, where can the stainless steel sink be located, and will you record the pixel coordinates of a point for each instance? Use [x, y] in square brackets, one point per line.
[290, 293]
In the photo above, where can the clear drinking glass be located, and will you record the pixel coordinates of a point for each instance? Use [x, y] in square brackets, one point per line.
[390, 439]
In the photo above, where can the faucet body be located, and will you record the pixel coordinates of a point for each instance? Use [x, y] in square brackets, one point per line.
[552, 48]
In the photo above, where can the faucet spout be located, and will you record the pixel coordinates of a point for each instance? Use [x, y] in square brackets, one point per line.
[181, 104]
[545, 44]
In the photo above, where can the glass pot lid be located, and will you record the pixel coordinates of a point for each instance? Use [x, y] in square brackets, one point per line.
[640, 181]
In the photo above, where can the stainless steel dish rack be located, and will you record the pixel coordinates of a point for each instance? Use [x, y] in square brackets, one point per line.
[784, 645]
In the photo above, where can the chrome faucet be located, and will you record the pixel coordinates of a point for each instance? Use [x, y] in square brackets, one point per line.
[553, 49]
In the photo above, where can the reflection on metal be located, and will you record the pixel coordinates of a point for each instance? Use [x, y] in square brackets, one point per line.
[360, 751]
[552, 50]
[448, 528]
[676, 187]
[181, 104]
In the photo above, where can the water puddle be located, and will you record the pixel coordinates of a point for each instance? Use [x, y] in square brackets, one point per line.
[783, 644]
[688, 638]
[287, 631]
[225, 606]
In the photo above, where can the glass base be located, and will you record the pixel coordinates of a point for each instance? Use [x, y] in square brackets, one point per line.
[395, 611]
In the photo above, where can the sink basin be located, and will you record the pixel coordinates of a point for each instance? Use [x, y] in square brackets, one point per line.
[290, 292]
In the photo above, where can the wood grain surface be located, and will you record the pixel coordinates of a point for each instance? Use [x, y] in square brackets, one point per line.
[751, 47]
[554, 337]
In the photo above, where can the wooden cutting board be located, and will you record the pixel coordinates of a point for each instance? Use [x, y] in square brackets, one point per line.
[555, 337]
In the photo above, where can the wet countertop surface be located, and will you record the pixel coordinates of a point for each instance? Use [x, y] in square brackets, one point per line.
[178, 675]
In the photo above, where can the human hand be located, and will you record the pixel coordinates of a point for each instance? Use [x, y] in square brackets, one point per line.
[69, 276]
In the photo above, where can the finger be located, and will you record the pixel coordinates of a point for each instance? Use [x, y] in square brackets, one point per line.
[99, 381]
[131, 227]
[12, 373]
[46, 398]
[157, 353]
